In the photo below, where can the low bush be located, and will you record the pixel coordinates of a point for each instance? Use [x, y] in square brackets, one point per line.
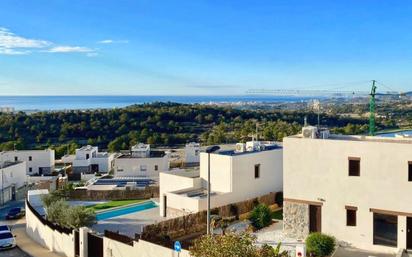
[260, 216]
[320, 245]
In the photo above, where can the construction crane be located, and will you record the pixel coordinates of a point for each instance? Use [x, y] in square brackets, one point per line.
[336, 93]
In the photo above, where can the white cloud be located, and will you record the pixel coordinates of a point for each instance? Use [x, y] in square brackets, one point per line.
[12, 44]
[10, 40]
[70, 49]
[111, 41]
[7, 51]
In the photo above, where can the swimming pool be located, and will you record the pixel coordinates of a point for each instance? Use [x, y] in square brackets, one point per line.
[125, 210]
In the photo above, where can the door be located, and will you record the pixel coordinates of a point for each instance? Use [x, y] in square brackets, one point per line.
[94, 245]
[76, 243]
[164, 206]
[13, 193]
[315, 218]
[409, 233]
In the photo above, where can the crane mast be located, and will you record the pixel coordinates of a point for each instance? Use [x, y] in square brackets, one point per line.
[372, 131]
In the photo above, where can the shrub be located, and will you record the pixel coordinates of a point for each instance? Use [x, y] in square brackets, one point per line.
[260, 216]
[320, 244]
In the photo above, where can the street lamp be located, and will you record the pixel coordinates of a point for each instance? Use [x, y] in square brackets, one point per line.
[209, 150]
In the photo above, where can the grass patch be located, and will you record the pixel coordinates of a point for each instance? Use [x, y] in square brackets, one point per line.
[278, 215]
[112, 204]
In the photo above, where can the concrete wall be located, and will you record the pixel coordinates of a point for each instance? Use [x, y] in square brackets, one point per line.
[317, 170]
[39, 159]
[220, 171]
[53, 240]
[131, 167]
[12, 176]
[169, 182]
[142, 248]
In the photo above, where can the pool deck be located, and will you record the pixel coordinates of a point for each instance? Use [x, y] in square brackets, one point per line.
[130, 224]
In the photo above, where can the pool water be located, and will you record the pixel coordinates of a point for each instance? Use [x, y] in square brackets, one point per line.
[125, 210]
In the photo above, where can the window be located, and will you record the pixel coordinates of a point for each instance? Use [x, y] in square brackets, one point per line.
[16, 158]
[30, 158]
[87, 156]
[156, 167]
[351, 216]
[257, 170]
[30, 169]
[385, 229]
[354, 166]
[409, 171]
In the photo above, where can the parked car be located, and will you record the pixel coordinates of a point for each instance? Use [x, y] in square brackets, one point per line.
[15, 213]
[4, 228]
[7, 240]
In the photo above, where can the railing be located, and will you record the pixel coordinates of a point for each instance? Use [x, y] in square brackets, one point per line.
[119, 237]
[48, 223]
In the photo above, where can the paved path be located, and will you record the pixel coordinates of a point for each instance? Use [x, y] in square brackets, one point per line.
[26, 247]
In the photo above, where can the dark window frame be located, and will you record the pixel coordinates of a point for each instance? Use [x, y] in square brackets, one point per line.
[377, 232]
[156, 167]
[30, 158]
[257, 171]
[410, 171]
[354, 168]
[351, 216]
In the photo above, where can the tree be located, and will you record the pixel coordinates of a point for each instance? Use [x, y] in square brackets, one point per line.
[320, 244]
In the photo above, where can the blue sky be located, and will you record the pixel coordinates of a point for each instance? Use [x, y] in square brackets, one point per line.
[200, 47]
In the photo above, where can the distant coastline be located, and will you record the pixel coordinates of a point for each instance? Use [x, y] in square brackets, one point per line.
[54, 103]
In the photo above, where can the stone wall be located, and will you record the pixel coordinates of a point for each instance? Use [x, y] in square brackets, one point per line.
[296, 219]
[97, 195]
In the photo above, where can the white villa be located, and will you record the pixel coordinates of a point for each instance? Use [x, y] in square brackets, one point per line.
[355, 188]
[141, 162]
[251, 170]
[13, 177]
[192, 153]
[88, 159]
[39, 162]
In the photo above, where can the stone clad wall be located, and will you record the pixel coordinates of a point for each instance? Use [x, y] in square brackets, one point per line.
[296, 219]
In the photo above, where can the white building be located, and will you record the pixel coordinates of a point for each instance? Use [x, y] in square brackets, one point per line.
[356, 188]
[141, 162]
[192, 153]
[252, 170]
[12, 178]
[39, 162]
[88, 159]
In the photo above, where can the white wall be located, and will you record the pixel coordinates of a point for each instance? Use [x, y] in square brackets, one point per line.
[232, 180]
[169, 182]
[39, 159]
[318, 169]
[14, 174]
[142, 248]
[51, 239]
[220, 171]
[131, 167]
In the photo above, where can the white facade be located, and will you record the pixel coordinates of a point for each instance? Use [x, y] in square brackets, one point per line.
[317, 174]
[88, 159]
[192, 152]
[38, 161]
[12, 177]
[141, 162]
[234, 177]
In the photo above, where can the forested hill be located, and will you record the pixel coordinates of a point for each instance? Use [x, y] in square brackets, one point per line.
[157, 123]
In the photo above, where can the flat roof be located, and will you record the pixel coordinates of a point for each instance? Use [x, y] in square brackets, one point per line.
[235, 153]
[362, 138]
[153, 154]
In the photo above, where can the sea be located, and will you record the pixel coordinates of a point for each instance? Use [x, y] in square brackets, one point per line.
[53, 103]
